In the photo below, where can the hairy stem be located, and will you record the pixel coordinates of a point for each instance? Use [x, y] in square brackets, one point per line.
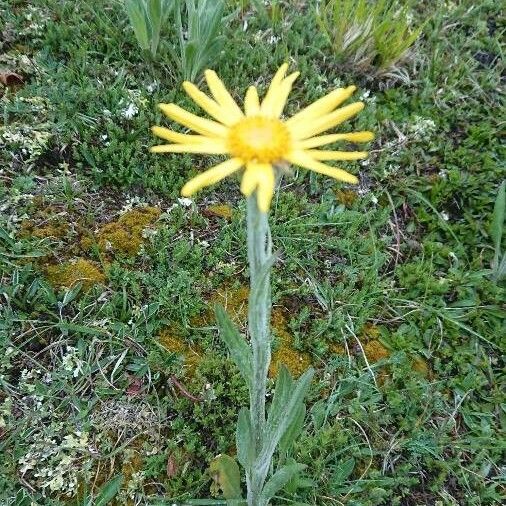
[259, 252]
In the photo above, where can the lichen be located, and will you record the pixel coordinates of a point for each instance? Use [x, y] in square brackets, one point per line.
[79, 270]
[126, 235]
[370, 331]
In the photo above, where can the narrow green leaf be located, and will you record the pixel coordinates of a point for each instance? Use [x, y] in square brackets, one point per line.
[282, 416]
[293, 430]
[154, 11]
[279, 479]
[139, 21]
[282, 392]
[108, 491]
[342, 472]
[244, 439]
[237, 346]
[497, 224]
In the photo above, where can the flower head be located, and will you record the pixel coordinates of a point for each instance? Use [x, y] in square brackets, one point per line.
[257, 140]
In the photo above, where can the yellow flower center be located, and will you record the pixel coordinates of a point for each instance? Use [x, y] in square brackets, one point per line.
[259, 139]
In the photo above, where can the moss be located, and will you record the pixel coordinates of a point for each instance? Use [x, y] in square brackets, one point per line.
[346, 197]
[171, 341]
[370, 331]
[234, 298]
[56, 229]
[337, 349]
[69, 273]
[296, 361]
[235, 301]
[375, 351]
[421, 366]
[221, 210]
[124, 236]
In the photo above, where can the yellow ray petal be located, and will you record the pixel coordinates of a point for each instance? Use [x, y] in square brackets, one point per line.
[277, 96]
[308, 129]
[315, 142]
[170, 135]
[322, 106]
[249, 179]
[266, 184]
[251, 102]
[209, 105]
[336, 155]
[222, 95]
[279, 102]
[303, 160]
[273, 88]
[211, 176]
[212, 147]
[200, 125]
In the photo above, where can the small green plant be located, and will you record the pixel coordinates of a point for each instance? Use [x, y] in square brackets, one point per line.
[270, 13]
[147, 18]
[368, 34]
[198, 24]
[496, 230]
[104, 496]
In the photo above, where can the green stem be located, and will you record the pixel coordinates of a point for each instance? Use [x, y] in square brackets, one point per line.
[259, 252]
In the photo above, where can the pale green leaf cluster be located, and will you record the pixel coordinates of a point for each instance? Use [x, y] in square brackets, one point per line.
[198, 24]
[368, 34]
[284, 422]
[147, 18]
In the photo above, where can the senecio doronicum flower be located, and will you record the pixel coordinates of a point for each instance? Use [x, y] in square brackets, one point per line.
[258, 140]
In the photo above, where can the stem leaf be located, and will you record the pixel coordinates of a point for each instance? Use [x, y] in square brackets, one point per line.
[279, 479]
[239, 350]
[284, 410]
[245, 441]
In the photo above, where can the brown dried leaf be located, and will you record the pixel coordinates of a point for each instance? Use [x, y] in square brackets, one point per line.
[172, 467]
[135, 386]
[9, 79]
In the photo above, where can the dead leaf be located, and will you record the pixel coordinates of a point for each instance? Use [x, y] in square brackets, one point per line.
[9, 79]
[134, 387]
[171, 466]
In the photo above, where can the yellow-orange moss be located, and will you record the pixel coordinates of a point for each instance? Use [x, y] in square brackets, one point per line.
[346, 197]
[235, 301]
[220, 210]
[296, 361]
[172, 342]
[69, 273]
[337, 349]
[421, 366]
[370, 331]
[124, 236]
[375, 351]
[55, 229]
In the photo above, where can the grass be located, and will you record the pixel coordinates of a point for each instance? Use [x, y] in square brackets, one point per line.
[387, 288]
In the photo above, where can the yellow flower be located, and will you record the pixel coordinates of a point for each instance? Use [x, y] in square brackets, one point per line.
[257, 139]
